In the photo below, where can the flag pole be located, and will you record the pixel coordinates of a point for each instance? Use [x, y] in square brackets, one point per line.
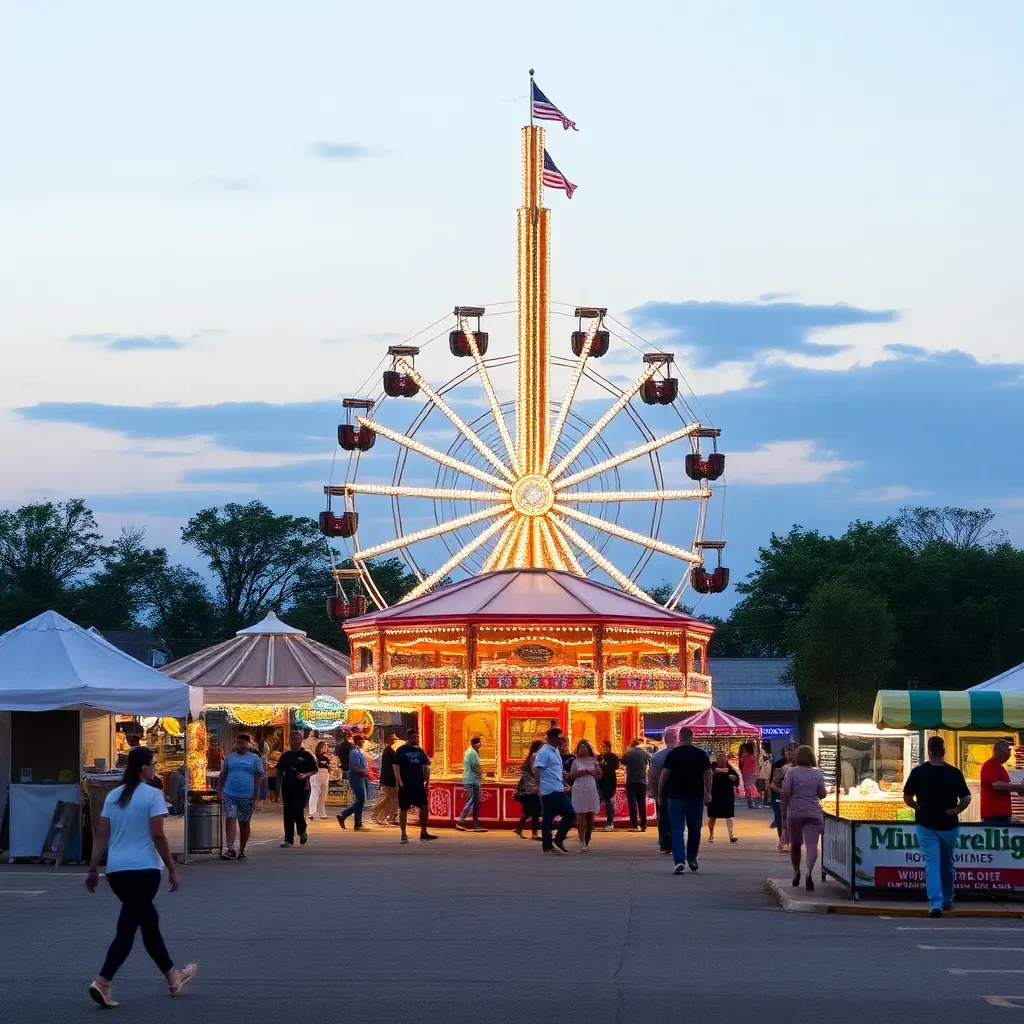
[529, 97]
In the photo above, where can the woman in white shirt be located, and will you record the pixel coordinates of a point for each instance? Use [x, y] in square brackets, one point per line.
[131, 833]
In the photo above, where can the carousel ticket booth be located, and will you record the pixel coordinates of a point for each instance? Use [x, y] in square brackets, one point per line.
[509, 655]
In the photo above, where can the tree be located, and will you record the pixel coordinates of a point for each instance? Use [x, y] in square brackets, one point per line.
[843, 648]
[960, 527]
[183, 610]
[45, 550]
[256, 557]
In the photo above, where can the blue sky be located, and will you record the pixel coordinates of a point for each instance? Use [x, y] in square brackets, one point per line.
[215, 221]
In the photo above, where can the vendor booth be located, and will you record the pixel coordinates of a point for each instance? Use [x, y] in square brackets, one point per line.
[60, 688]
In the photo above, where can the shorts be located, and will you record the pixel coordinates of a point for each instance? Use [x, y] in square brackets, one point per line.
[409, 798]
[240, 807]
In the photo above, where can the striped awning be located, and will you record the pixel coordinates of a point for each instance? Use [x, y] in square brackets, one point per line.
[949, 709]
[715, 722]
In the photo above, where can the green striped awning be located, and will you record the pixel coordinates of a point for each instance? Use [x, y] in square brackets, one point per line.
[949, 709]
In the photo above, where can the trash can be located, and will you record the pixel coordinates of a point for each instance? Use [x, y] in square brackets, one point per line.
[97, 788]
[204, 822]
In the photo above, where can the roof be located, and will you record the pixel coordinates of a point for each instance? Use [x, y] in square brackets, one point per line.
[540, 595]
[949, 709]
[268, 663]
[752, 684]
[1010, 680]
[715, 722]
[49, 663]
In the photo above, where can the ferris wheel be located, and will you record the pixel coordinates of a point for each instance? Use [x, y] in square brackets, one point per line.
[552, 496]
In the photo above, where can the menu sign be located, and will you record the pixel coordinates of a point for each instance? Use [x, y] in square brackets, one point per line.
[827, 762]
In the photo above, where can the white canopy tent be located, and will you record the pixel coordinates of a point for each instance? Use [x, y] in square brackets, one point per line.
[51, 664]
[1010, 681]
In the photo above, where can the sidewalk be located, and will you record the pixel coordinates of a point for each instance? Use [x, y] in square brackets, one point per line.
[832, 898]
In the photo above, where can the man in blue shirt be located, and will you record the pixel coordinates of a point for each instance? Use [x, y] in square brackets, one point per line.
[239, 783]
[358, 776]
[550, 776]
[472, 779]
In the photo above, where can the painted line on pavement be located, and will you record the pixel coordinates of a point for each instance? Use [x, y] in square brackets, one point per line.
[958, 928]
[22, 892]
[983, 970]
[990, 949]
[1010, 1002]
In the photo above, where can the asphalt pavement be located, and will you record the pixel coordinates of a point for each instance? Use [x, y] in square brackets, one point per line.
[484, 928]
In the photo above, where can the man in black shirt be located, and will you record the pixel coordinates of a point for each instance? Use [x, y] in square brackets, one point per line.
[385, 810]
[609, 762]
[295, 767]
[938, 793]
[685, 785]
[412, 773]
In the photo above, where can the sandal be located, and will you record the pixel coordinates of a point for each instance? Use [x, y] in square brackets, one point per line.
[187, 973]
[228, 854]
[101, 994]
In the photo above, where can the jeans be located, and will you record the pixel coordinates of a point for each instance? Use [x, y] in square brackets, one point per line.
[555, 804]
[609, 809]
[293, 803]
[687, 814]
[136, 890]
[664, 827]
[939, 873]
[358, 784]
[636, 797]
[472, 805]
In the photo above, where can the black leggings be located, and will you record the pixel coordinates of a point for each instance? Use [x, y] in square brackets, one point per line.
[136, 891]
[531, 810]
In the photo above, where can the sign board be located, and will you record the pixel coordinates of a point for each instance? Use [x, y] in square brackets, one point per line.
[988, 858]
[827, 762]
[776, 732]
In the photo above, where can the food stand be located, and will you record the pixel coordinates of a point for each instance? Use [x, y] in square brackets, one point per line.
[883, 853]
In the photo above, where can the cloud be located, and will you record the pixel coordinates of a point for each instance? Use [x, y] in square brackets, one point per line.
[891, 494]
[324, 150]
[774, 296]
[227, 183]
[716, 332]
[784, 462]
[132, 342]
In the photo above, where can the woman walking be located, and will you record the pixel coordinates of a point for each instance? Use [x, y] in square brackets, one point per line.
[724, 780]
[748, 773]
[528, 794]
[802, 792]
[586, 799]
[131, 833]
[318, 784]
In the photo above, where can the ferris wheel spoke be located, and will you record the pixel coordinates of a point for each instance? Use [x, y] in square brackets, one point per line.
[570, 394]
[566, 550]
[494, 559]
[628, 456]
[596, 429]
[432, 531]
[432, 453]
[436, 493]
[637, 538]
[595, 556]
[583, 497]
[492, 399]
[467, 432]
[464, 552]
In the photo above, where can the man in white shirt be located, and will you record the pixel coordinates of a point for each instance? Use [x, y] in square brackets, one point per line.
[550, 776]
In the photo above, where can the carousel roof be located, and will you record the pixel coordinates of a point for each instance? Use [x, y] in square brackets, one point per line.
[540, 595]
[713, 722]
[269, 663]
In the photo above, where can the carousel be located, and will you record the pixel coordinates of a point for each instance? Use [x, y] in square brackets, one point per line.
[504, 632]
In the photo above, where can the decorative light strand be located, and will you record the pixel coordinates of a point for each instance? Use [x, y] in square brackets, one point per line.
[433, 453]
[628, 456]
[570, 394]
[499, 549]
[596, 429]
[637, 538]
[469, 434]
[432, 531]
[583, 497]
[492, 399]
[595, 556]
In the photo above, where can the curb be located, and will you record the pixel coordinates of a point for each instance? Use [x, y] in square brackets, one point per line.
[825, 905]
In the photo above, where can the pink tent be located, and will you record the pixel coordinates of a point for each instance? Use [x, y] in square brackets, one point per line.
[712, 722]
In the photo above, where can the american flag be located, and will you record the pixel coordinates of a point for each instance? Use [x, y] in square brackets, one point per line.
[554, 178]
[545, 110]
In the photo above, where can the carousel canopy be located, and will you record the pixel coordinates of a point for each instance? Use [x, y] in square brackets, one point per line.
[535, 595]
[713, 722]
[269, 663]
[1012, 680]
[49, 663]
[949, 709]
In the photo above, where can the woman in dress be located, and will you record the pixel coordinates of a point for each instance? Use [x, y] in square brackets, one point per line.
[802, 792]
[724, 781]
[131, 833]
[318, 784]
[528, 794]
[748, 773]
[586, 798]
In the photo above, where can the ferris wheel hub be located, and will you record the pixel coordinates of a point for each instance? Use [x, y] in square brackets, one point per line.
[533, 495]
